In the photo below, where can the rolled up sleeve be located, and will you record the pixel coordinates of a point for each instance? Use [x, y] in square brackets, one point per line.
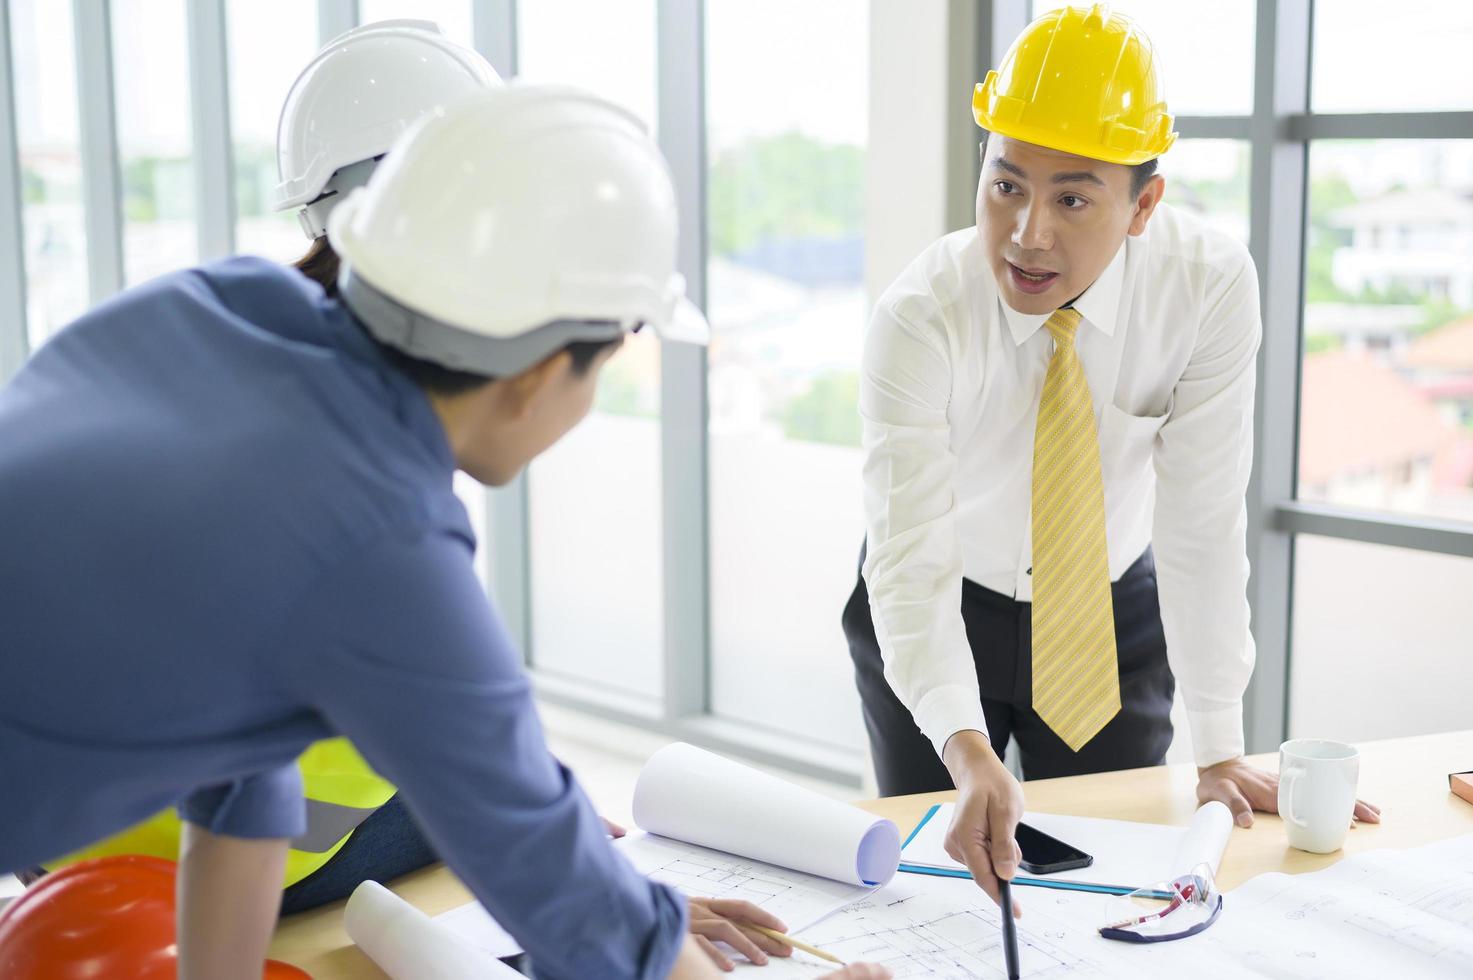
[913, 563]
[267, 805]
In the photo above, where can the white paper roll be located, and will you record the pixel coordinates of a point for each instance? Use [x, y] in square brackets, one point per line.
[701, 798]
[1205, 840]
[409, 945]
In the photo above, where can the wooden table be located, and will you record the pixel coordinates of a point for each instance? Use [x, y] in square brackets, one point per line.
[1406, 777]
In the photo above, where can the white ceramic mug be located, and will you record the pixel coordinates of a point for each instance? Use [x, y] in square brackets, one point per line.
[1317, 780]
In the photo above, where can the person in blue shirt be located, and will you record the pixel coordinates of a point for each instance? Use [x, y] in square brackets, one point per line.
[230, 532]
[343, 113]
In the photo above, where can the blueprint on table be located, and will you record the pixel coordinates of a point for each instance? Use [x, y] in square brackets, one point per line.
[1379, 913]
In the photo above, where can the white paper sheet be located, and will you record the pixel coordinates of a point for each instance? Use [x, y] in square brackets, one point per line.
[1126, 854]
[701, 798]
[947, 928]
[797, 898]
[10, 889]
[409, 945]
[1379, 914]
[475, 925]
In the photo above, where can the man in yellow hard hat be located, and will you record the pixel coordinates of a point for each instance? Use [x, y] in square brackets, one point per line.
[1058, 412]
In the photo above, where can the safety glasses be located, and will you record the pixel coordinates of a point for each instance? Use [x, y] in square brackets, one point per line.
[1165, 911]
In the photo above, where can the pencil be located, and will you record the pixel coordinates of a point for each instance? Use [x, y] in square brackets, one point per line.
[795, 943]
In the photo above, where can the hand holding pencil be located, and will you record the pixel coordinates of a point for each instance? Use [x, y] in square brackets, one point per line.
[757, 933]
[745, 927]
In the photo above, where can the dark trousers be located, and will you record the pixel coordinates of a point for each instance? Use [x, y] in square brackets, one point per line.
[1000, 633]
[386, 845]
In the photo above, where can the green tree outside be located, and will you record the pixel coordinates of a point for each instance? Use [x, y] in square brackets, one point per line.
[785, 186]
[827, 412]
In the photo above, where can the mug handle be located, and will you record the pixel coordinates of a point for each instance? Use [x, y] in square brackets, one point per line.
[1287, 779]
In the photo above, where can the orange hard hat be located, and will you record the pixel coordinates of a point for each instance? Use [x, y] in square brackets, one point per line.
[110, 917]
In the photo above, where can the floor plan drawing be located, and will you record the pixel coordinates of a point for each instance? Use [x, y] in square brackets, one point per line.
[916, 931]
[797, 898]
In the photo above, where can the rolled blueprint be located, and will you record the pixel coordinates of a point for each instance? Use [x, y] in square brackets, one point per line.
[702, 798]
[409, 945]
[1205, 840]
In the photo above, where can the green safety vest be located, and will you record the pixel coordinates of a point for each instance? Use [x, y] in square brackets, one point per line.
[341, 791]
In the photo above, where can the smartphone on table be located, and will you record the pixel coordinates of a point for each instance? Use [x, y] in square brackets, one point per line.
[1045, 855]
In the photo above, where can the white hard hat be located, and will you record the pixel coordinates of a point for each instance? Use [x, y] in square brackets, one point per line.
[356, 97]
[506, 226]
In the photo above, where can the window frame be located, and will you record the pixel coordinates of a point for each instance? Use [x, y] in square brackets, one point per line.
[1279, 132]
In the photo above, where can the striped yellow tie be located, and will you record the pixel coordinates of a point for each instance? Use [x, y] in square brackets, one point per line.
[1076, 683]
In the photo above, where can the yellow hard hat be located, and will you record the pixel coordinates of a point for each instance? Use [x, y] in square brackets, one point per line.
[1084, 82]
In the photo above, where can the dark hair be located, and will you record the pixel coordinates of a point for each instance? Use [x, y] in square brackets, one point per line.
[1140, 173]
[439, 380]
[321, 264]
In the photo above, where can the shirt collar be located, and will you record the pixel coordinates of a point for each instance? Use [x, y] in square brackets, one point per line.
[1099, 304]
[411, 402]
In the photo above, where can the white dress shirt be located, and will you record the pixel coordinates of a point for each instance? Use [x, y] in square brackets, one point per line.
[949, 397]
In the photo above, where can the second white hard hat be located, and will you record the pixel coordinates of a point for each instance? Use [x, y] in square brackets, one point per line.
[508, 225]
[356, 97]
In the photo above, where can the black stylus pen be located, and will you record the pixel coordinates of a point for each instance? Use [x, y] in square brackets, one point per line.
[1009, 927]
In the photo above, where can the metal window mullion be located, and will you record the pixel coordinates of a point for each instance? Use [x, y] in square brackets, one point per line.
[1397, 530]
[1381, 125]
[507, 549]
[684, 441]
[1214, 127]
[508, 558]
[494, 28]
[1006, 19]
[334, 17]
[1278, 191]
[102, 186]
[997, 23]
[209, 104]
[13, 337]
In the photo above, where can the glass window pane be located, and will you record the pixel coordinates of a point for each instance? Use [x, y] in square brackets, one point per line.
[1201, 79]
[473, 496]
[597, 607]
[51, 164]
[605, 46]
[1210, 179]
[453, 16]
[1386, 405]
[1380, 641]
[1369, 57]
[270, 42]
[787, 303]
[155, 144]
[597, 587]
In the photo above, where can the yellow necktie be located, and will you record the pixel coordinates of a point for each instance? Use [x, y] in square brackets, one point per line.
[1076, 682]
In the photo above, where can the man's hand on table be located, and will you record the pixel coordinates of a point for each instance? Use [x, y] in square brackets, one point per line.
[694, 963]
[988, 807]
[1244, 788]
[726, 920]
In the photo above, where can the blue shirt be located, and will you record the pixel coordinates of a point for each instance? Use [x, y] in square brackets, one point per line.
[227, 530]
